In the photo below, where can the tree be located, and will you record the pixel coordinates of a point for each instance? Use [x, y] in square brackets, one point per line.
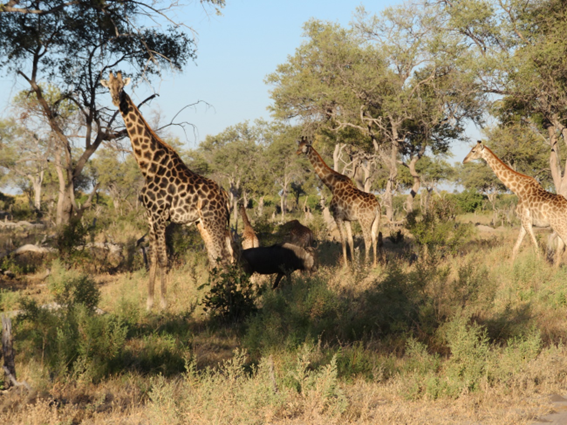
[516, 51]
[232, 155]
[120, 177]
[71, 45]
[387, 85]
[25, 157]
[282, 161]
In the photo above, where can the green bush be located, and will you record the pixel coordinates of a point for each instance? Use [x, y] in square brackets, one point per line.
[71, 288]
[69, 337]
[73, 341]
[232, 297]
[468, 200]
[69, 238]
[436, 232]
[300, 313]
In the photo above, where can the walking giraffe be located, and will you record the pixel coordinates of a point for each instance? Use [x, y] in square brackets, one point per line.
[171, 192]
[348, 204]
[536, 206]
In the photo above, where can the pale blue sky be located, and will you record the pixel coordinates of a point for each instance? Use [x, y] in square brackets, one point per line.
[235, 53]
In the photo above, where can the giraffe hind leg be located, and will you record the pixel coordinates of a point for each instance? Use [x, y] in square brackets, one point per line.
[561, 238]
[375, 234]
[350, 240]
[343, 241]
[159, 263]
[518, 242]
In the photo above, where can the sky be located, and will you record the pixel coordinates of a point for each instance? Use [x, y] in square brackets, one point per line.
[235, 52]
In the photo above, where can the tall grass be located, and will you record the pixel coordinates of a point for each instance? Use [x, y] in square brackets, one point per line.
[459, 327]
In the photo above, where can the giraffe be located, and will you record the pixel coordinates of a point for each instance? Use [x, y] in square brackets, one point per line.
[171, 192]
[249, 238]
[536, 206]
[348, 204]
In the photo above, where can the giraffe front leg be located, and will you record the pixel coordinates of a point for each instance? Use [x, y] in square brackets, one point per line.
[518, 243]
[349, 239]
[159, 264]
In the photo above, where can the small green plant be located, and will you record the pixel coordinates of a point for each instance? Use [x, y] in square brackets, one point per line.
[71, 288]
[231, 297]
[71, 341]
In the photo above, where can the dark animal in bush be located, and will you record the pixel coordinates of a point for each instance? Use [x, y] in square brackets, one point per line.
[282, 259]
[297, 234]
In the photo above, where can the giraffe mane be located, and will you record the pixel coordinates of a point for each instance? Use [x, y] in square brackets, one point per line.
[508, 167]
[149, 128]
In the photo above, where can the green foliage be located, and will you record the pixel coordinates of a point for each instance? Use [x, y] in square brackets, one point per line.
[71, 288]
[436, 232]
[70, 339]
[69, 238]
[468, 201]
[231, 296]
[6, 202]
[299, 313]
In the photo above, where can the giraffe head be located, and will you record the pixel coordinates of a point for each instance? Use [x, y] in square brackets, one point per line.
[115, 85]
[475, 153]
[304, 146]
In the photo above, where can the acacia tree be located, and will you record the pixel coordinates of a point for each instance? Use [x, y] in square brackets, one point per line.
[120, 177]
[71, 45]
[231, 156]
[390, 79]
[516, 50]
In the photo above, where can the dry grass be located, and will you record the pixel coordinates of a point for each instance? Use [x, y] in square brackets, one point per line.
[375, 380]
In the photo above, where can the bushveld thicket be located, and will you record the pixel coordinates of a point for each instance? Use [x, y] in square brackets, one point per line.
[447, 320]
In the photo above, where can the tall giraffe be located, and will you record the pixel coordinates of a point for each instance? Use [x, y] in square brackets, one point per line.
[171, 192]
[536, 206]
[249, 238]
[348, 204]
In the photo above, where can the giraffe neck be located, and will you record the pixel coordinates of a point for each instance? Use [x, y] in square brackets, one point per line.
[244, 217]
[327, 175]
[518, 183]
[149, 150]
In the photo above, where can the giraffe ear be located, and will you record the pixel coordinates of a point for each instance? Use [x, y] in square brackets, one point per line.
[104, 83]
[126, 81]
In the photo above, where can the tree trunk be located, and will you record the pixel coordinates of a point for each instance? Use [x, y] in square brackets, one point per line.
[261, 206]
[559, 176]
[36, 182]
[415, 186]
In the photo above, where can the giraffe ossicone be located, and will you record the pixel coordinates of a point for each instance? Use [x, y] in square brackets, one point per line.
[536, 206]
[171, 192]
[348, 204]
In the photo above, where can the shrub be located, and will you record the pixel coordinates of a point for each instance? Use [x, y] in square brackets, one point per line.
[72, 342]
[469, 200]
[69, 238]
[436, 232]
[71, 339]
[231, 297]
[71, 288]
[300, 313]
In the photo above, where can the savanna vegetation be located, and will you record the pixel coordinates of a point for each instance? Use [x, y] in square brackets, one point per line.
[445, 330]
